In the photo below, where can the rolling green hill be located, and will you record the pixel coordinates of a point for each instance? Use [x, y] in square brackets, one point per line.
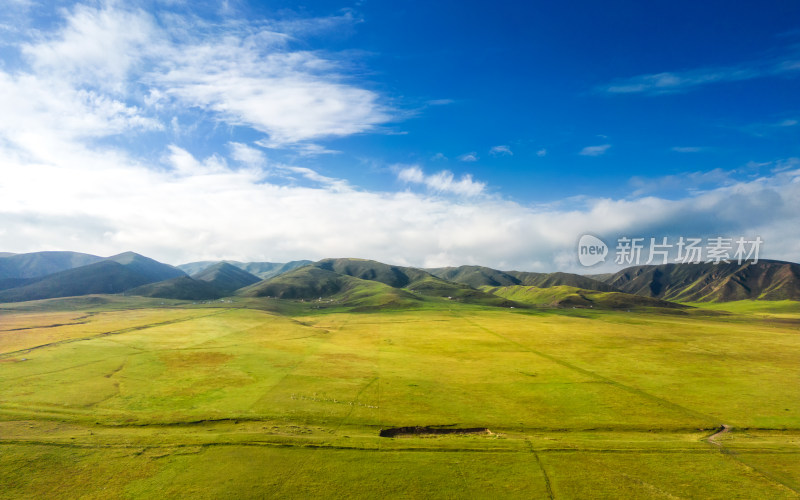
[113, 275]
[570, 296]
[226, 278]
[101, 277]
[342, 279]
[478, 276]
[150, 269]
[263, 270]
[475, 276]
[764, 280]
[414, 280]
[394, 276]
[181, 288]
[39, 264]
[310, 283]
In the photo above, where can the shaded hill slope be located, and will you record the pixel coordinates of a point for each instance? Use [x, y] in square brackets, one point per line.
[263, 270]
[39, 264]
[113, 275]
[363, 278]
[417, 281]
[180, 288]
[101, 277]
[311, 283]
[765, 280]
[478, 276]
[226, 278]
[569, 296]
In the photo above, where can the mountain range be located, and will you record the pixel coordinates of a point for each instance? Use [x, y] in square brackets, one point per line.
[366, 284]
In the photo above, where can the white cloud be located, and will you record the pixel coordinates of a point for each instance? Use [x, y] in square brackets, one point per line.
[469, 157]
[440, 102]
[438, 156]
[202, 208]
[245, 75]
[684, 81]
[501, 150]
[101, 46]
[595, 150]
[247, 155]
[687, 149]
[442, 182]
[541, 153]
[690, 181]
[67, 183]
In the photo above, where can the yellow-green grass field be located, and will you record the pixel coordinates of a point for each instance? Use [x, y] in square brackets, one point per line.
[113, 397]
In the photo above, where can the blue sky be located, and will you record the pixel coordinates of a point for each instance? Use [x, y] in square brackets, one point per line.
[419, 133]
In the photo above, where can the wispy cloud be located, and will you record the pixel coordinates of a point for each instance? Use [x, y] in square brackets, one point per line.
[541, 153]
[684, 81]
[501, 150]
[468, 157]
[769, 128]
[595, 150]
[688, 181]
[440, 102]
[442, 182]
[687, 149]
[246, 75]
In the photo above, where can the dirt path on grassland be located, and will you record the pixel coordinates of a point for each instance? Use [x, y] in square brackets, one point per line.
[712, 438]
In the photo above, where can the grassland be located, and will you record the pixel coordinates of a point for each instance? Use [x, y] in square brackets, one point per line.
[112, 397]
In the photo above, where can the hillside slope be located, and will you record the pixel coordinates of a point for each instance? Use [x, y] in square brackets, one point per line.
[263, 270]
[180, 288]
[478, 276]
[101, 277]
[416, 281]
[147, 267]
[226, 278]
[570, 296]
[39, 264]
[112, 275]
[764, 280]
[311, 283]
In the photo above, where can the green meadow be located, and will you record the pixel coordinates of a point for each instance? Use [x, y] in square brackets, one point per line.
[111, 397]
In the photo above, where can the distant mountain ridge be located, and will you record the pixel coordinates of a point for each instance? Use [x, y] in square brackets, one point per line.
[263, 270]
[367, 284]
[723, 282]
[115, 274]
[342, 279]
[180, 288]
[478, 276]
[40, 264]
[226, 278]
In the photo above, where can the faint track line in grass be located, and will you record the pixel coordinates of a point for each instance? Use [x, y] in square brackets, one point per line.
[650, 486]
[292, 368]
[547, 484]
[737, 458]
[354, 404]
[612, 382]
[113, 332]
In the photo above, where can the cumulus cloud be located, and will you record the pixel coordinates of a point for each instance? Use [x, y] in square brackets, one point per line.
[71, 181]
[595, 150]
[442, 182]
[202, 209]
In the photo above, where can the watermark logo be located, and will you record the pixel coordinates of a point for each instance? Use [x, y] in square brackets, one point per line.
[635, 251]
[591, 250]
